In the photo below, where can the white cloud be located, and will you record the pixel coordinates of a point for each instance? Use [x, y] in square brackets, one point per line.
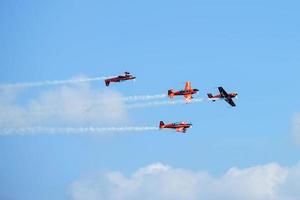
[158, 181]
[72, 105]
[296, 129]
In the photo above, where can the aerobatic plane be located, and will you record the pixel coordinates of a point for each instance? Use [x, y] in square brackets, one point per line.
[124, 77]
[179, 126]
[187, 92]
[223, 95]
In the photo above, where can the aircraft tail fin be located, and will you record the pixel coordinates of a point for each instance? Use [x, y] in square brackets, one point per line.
[161, 124]
[107, 82]
[210, 95]
[171, 93]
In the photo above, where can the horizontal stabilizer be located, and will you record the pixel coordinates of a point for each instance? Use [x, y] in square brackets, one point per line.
[171, 93]
[107, 82]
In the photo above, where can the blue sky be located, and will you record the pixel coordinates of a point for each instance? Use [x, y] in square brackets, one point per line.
[251, 47]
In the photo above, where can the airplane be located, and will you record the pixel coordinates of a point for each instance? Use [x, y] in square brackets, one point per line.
[223, 95]
[124, 77]
[179, 126]
[187, 92]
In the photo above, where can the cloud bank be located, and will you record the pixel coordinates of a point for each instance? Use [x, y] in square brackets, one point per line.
[296, 129]
[62, 106]
[162, 182]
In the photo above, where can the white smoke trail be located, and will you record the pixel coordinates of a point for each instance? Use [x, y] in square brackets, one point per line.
[50, 82]
[128, 99]
[162, 103]
[73, 130]
[144, 97]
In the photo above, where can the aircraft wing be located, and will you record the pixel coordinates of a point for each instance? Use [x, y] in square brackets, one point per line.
[181, 129]
[188, 97]
[188, 86]
[223, 92]
[230, 101]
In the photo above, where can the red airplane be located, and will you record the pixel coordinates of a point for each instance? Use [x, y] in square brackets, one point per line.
[179, 126]
[187, 92]
[126, 76]
[223, 95]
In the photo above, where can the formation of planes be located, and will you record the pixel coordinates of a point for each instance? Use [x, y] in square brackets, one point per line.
[187, 93]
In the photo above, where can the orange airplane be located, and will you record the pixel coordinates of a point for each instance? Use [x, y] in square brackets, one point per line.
[223, 95]
[179, 126]
[187, 92]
